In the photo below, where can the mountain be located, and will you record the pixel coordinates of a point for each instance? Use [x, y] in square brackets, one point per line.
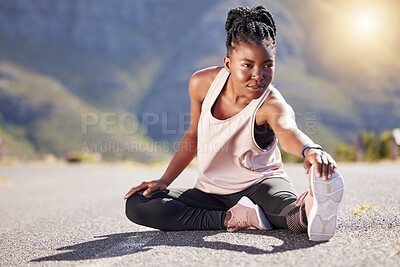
[128, 63]
[39, 115]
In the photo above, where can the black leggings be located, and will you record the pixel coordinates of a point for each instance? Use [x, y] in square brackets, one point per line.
[192, 209]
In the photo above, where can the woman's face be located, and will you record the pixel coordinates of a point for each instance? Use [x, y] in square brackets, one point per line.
[252, 68]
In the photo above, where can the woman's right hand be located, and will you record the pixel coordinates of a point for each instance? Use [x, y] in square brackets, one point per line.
[149, 187]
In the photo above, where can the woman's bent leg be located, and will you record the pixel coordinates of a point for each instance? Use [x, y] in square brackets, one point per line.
[177, 210]
[277, 198]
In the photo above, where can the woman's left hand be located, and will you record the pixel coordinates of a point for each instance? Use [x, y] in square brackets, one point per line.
[325, 165]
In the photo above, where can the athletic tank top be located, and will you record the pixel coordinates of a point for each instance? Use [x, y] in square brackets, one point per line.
[262, 135]
[228, 157]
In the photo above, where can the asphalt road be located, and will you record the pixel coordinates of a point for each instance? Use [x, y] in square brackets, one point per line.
[74, 215]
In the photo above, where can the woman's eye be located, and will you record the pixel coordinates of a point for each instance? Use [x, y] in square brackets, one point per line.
[269, 65]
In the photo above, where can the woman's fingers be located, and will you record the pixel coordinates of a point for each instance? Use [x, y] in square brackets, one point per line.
[318, 165]
[328, 166]
[324, 164]
[332, 166]
[156, 185]
[307, 166]
[130, 193]
[135, 189]
[329, 171]
[324, 167]
[150, 190]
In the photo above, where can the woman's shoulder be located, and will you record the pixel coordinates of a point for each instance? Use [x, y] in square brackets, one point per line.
[201, 81]
[275, 103]
[274, 97]
[207, 73]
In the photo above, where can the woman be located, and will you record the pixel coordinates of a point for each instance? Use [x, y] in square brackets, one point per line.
[237, 118]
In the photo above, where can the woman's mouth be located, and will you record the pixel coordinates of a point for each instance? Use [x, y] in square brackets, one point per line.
[257, 87]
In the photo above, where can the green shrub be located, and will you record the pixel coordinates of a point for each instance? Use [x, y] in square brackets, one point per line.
[370, 146]
[287, 158]
[344, 152]
[78, 156]
[384, 146]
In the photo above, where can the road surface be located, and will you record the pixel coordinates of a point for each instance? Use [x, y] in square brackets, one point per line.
[74, 215]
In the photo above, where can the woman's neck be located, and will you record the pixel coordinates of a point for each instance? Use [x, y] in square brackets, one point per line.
[235, 95]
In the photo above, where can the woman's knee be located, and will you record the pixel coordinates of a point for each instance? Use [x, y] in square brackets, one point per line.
[134, 209]
[273, 202]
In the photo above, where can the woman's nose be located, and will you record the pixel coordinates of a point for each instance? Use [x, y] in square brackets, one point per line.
[257, 74]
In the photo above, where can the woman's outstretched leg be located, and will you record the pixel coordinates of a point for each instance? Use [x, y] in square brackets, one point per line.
[176, 210]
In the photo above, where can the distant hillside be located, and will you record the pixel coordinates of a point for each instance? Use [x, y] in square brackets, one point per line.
[61, 59]
[40, 116]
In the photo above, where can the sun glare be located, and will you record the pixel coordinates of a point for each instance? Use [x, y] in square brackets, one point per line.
[358, 32]
[365, 23]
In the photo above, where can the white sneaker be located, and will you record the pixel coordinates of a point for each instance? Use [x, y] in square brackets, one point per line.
[327, 196]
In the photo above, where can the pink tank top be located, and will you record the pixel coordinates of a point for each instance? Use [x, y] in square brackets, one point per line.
[228, 157]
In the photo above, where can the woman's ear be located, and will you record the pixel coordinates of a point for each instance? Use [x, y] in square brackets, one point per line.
[227, 63]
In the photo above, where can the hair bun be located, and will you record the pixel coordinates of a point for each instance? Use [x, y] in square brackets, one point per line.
[249, 24]
[234, 16]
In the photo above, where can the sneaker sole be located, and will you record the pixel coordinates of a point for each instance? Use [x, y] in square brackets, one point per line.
[262, 219]
[327, 197]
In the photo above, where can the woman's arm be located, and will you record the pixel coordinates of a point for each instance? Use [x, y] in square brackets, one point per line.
[281, 117]
[198, 87]
[188, 147]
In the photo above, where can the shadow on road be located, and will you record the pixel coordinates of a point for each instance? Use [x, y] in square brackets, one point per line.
[115, 245]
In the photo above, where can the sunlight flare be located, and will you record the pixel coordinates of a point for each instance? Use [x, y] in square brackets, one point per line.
[365, 23]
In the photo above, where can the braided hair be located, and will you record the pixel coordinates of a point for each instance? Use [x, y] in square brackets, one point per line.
[244, 25]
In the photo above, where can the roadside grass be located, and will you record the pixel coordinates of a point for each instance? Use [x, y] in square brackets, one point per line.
[395, 252]
[362, 208]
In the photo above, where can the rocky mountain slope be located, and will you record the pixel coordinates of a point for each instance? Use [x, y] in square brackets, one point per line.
[136, 57]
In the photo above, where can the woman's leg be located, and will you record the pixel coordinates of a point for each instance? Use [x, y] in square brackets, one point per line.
[314, 211]
[277, 198]
[175, 210]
